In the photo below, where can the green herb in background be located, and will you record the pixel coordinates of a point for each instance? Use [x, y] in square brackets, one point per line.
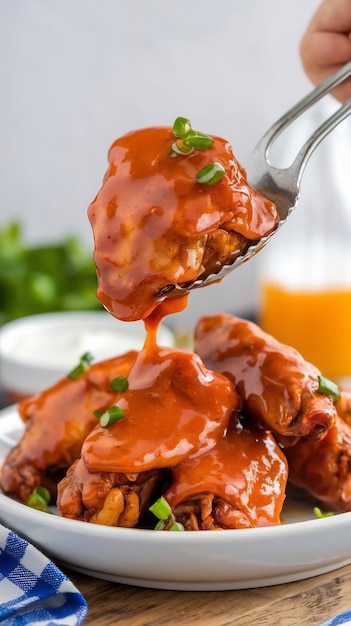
[44, 278]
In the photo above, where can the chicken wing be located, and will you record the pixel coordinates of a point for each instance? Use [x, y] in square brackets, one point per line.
[108, 498]
[278, 388]
[323, 468]
[240, 483]
[154, 224]
[56, 424]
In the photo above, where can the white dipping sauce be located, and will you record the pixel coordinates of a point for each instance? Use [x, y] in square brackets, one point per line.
[36, 351]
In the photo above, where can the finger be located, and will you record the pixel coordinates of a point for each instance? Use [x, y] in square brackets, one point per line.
[332, 16]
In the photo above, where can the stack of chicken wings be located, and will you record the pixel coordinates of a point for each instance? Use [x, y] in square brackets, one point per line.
[218, 432]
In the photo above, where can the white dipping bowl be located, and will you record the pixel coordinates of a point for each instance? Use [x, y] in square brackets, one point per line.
[36, 351]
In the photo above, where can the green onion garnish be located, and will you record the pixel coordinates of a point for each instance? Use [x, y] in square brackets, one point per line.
[165, 525]
[187, 138]
[39, 499]
[111, 415]
[163, 512]
[328, 387]
[161, 509]
[120, 384]
[83, 366]
[177, 526]
[161, 525]
[210, 174]
[178, 147]
[198, 141]
[181, 126]
[318, 513]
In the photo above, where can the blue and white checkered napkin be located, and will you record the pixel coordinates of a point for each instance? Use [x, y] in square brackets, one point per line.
[342, 618]
[32, 589]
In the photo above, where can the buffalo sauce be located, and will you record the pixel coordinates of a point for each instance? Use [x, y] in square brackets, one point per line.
[174, 408]
[151, 219]
[245, 469]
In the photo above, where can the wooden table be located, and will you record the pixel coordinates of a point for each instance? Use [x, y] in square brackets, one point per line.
[304, 603]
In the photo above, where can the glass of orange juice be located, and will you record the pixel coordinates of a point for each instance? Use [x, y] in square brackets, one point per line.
[305, 302]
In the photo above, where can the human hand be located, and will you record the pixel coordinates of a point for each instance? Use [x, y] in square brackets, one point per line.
[326, 44]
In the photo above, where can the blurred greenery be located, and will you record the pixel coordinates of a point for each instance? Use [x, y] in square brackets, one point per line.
[44, 278]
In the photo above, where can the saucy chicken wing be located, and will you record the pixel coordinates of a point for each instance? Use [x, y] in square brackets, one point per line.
[343, 405]
[155, 224]
[278, 388]
[56, 424]
[323, 468]
[240, 483]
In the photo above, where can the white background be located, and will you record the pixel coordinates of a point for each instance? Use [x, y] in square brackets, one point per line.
[76, 74]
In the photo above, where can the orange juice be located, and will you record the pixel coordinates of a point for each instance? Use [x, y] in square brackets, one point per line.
[317, 322]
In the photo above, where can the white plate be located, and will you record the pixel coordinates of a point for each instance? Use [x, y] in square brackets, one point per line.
[193, 561]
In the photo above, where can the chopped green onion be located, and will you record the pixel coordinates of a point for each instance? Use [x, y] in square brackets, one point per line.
[83, 366]
[198, 141]
[120, 384]
[328, 387]
[187, 138]
[113, 414]
[318, 513]
[178, 147]
[161, 509]
[165, 525]
[163, 512]
[177, 526]
[210, 174]
[39, 499]
[161, 525]
[181, 126]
